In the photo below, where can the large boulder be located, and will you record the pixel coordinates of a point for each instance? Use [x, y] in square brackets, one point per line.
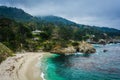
[85, 47]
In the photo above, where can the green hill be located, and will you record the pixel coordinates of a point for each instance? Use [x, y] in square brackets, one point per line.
[56, 20]
[14, 13]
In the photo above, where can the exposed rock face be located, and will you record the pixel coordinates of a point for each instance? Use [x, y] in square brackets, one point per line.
[102, 41]
[64, 51]
[83, 47]
[86, 47]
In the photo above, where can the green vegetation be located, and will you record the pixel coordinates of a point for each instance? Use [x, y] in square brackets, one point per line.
[21, 31]
[14, 13]
[13, 34]
[4, 52]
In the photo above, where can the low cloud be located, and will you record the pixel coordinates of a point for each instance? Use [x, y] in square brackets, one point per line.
[91, 12]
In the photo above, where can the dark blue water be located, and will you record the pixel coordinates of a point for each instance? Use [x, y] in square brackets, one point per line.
[98, 66]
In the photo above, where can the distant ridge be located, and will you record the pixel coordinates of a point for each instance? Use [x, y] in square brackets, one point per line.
[56, 19]
[14, 13]
[21, 15]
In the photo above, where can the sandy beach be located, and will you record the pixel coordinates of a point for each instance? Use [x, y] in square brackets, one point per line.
[23, 66]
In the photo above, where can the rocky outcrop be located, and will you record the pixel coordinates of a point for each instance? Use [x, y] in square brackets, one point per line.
[64, 51]
[83, 47]
[86, 47]
[102, 41]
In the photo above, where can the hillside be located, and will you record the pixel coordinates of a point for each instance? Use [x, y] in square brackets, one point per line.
[4, 52]
[21, 15]
[56, 20]
[16, 27]
[109, 31]
[14, 13]
[13, 34]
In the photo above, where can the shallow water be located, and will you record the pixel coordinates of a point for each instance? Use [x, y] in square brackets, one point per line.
[98, 66]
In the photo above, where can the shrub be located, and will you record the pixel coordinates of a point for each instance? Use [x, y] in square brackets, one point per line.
[4, 52]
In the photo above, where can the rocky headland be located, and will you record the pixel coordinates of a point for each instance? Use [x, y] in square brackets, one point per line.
[82, 46]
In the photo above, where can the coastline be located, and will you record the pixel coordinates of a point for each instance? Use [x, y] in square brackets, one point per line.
[23, 66]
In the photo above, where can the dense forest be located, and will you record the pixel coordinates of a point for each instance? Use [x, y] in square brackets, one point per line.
[20, 30]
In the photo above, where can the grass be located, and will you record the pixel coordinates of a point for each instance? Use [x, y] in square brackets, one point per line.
[4, 52]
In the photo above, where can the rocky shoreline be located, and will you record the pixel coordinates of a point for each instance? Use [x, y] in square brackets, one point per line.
[83, 47]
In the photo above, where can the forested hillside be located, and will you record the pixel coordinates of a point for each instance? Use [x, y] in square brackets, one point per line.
[14, 13]
[20, 30]
[13, 34]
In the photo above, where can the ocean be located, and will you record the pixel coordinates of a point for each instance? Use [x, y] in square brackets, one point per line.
[98, 66]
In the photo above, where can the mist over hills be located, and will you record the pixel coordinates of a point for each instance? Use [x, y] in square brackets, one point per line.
[21, 16]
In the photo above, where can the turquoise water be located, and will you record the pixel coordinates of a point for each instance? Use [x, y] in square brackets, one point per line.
[98, 66]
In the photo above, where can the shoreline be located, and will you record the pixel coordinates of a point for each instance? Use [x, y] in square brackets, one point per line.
[23, 66]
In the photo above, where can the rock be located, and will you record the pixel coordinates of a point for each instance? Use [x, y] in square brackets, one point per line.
[83, 47]
[64, 51]
[102, 41]
[86, 47]
[105, 50]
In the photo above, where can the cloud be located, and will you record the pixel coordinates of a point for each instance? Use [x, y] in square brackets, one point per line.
[92, 12]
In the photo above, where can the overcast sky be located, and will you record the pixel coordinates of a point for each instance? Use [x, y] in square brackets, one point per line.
[91, 12]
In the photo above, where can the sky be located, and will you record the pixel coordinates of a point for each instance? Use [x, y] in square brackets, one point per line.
[104, 13]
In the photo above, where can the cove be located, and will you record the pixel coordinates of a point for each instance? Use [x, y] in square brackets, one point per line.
[99, 66]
